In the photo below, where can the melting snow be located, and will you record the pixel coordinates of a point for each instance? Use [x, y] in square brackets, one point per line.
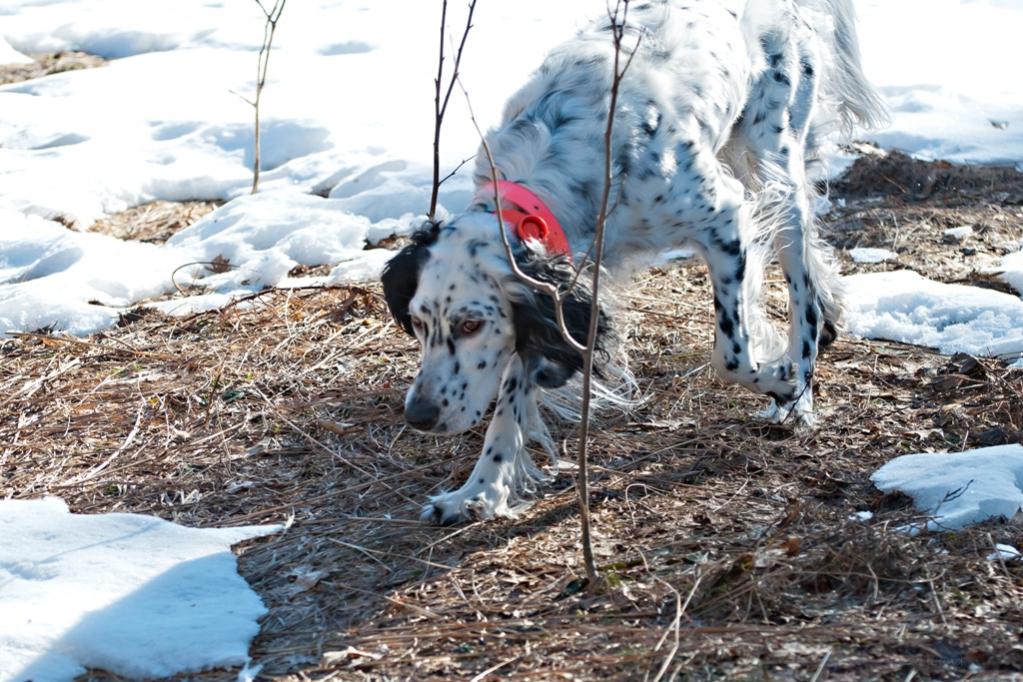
[959, 233]
[1011, 271]
[958, 489]
[134, 595]
[904, 306]
[869, 255]
[1005, 553]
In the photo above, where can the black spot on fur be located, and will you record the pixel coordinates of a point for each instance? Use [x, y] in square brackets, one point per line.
[811, 316]
[726, 326]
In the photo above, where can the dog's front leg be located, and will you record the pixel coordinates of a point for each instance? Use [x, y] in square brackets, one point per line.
[504, 468]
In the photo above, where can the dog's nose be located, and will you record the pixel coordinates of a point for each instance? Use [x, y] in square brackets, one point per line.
[421, 414]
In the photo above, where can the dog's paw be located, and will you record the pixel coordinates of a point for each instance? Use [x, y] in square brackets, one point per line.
[462, 505]
[798, 413]
[778, 380]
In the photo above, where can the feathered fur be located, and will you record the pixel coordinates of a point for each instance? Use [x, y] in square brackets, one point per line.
[719, 117]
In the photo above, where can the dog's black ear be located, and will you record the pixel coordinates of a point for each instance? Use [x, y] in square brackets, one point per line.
[549, 359]
[401, 274]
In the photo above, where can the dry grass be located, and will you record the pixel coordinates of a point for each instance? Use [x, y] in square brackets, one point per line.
[48, 64]
[727, 542]
[154, 222]
[920, 201]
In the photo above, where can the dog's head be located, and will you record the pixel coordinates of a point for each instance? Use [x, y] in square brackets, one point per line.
[454, 290]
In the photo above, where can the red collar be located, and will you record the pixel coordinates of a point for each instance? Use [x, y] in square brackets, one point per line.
[527, 215]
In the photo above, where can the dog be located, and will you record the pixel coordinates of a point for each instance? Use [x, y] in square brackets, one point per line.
[725, 102]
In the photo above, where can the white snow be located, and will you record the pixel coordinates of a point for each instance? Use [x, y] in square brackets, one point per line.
[1011, 270]
[959, 233]
[74, 282]
[134, 595]
[948, 71]
[866, 254]
[1005, 553]
[347, 113]
[906, 307]
[956, 490]
[8, 55]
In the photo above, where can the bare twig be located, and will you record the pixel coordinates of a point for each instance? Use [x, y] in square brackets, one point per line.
[216, 266]
[822, 666]
[675, 627]
[440, 105]
[273, 15]
[618, 32]
[618, 18]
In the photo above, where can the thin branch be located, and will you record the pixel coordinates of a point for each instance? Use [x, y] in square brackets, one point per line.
[457, 168]
[262, 63]
[618, 32]
[440, 106]
[597, 247]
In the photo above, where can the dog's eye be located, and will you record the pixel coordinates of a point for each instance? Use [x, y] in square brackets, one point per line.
[469, 327]
[418, 324]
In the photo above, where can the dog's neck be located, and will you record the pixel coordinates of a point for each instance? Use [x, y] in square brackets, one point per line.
[545, 157]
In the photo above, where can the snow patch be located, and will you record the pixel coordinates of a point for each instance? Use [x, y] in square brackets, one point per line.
[1005, 553]
[959, 489]
[79, 283]
[52, 277]
[131, 594]
[8, 55]
[906, 307]
[943, 106]
[959, 233]
[1011, 271]
[263, 236]
[869, 255]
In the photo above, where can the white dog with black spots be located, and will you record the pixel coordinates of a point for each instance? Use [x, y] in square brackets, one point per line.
[725, 103]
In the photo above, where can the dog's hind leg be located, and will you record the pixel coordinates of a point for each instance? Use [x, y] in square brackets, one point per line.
[504, 470]
[777, 124]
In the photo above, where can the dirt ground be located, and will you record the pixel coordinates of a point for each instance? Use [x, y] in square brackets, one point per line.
[731, 549]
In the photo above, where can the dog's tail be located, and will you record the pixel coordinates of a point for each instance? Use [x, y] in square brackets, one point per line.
[858, 102]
